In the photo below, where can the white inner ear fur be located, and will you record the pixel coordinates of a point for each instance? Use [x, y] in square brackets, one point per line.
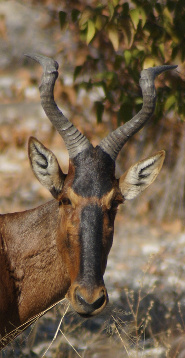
[45, 167]
[141, 175]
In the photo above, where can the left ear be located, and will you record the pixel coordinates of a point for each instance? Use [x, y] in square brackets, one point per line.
[45, 167]
[141, 175]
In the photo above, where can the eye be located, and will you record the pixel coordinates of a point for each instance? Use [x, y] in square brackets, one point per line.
[66, 201]
[116, 202]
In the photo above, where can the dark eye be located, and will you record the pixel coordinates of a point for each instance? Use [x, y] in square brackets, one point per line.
[115, 204]
[66, 201]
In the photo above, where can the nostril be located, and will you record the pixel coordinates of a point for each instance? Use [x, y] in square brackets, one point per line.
[90, 307]
[99, 302]
[80, 299]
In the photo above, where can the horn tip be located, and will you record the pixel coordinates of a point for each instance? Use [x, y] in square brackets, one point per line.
[157, 70]
[47, 63]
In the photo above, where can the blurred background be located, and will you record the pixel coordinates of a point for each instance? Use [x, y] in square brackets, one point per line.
[101, 48]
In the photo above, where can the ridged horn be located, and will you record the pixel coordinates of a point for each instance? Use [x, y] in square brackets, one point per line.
[113, 143]
[74, 140]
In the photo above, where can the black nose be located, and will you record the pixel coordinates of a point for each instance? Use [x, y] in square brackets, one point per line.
[90, 307]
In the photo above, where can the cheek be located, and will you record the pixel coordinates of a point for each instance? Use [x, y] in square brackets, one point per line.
[108, 231]
[108, 223]
[61, 237]
[72, 258]
[69, 243]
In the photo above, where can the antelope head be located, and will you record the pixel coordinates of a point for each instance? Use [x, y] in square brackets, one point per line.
[89, 195]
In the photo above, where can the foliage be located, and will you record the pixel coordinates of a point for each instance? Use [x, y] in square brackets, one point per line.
[116, 40]
[106, 44]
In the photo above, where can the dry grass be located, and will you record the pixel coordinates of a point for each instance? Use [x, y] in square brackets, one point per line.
[140, 325]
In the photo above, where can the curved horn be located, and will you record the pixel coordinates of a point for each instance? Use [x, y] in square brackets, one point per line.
[113, 143]
[74, 140]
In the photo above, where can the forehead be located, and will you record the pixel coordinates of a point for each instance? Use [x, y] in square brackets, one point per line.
[93, 173]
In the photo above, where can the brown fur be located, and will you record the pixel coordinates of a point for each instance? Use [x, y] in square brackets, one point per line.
[40, 256]
[30, 282]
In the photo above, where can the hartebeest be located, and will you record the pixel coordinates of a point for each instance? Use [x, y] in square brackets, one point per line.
[60, 248]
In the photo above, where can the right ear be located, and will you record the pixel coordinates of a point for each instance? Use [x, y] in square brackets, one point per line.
[45, 167]
[141, 175]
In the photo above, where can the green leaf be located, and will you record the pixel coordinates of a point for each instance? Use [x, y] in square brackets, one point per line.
[128, 32]
[85, 16]
[111, 9]
[113, 36]
[135, 17]
[143, 17]
[150, 61]
[99, 111]
[115, 2]
[90, 31]
[100, 21]
[162, 50]
[77, 72]
[127, 56]
[62, 19]
[170, 103]
[138, 100]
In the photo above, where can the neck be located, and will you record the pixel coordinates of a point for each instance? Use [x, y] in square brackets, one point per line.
[31, 281]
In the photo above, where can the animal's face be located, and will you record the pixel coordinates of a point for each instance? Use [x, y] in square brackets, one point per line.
[89, 202]
[88, 198]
